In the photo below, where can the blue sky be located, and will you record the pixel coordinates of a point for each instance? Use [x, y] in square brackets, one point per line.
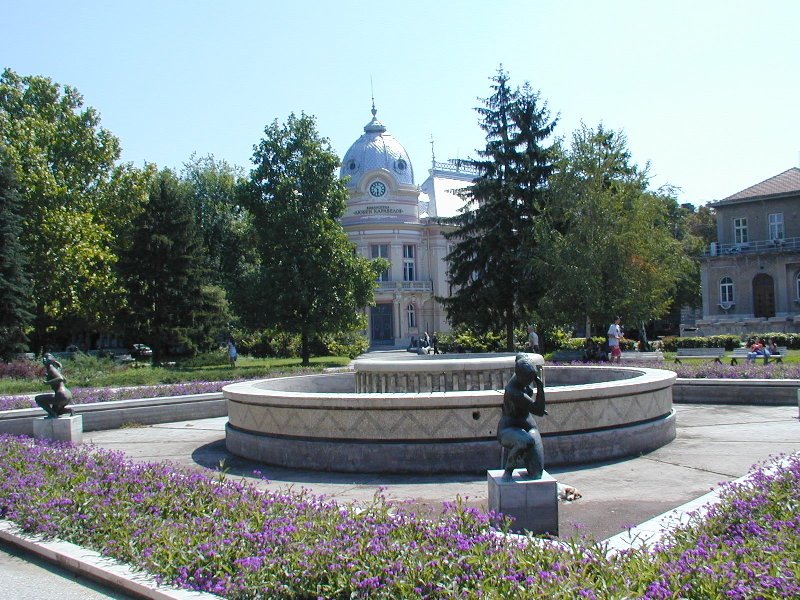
[708, 92]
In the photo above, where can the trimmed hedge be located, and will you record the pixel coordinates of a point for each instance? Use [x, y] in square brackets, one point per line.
[729, 342]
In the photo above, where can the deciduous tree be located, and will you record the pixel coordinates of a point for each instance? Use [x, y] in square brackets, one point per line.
[75, 200]
[225, 227]
[611, 248]
[311, 280]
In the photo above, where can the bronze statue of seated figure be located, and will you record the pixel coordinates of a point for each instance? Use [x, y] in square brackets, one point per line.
[515, 431]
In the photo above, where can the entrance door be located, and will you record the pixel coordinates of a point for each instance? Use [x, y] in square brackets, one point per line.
[763, 296]
[381, 324]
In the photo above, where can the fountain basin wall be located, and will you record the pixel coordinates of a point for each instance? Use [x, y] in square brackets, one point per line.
[319, 422]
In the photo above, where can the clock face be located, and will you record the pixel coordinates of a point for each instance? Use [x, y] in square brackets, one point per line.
[377, 189]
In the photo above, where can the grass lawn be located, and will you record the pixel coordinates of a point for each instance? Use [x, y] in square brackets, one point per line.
[86, 371]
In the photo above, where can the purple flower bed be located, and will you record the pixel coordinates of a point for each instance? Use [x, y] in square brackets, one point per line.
[207, 533]
[747, 546]
[93, 395]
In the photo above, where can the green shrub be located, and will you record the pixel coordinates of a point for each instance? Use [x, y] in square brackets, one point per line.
[445, 342]
[790, 340]
[578, 343]
[729, 342]
[557, 338]
[270, 343]
[350, 344]
[207, 359]
[267, 343]
[82, 368]
[465, 340]
[669, 343]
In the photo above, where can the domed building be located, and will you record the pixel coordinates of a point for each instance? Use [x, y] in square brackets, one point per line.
[389, 216]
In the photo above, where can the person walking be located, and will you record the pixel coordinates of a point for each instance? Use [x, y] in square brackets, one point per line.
[232, 354]
[614, 336]
[435, 343]
[533, 340]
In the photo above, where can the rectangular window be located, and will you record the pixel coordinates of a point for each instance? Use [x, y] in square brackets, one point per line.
[412, 316]
[726, 290]
[776, 226]
[740, 235]
[381, 251]
[409, 263]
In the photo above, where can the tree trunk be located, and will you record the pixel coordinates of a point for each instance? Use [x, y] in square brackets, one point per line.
[643, 336]
[510, 330]
[305, 353]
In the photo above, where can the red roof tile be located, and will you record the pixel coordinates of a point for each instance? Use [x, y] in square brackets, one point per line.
[786, 182]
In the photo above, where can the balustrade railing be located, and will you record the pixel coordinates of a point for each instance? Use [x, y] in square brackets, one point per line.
[405, 286]
[782, 245]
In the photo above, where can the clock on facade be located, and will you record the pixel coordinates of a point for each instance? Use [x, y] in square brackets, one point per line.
[377, 189]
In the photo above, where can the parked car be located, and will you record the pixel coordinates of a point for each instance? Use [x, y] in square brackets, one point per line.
[140, 351]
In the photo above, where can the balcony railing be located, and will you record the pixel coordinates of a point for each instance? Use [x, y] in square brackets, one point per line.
[784, 245]
[405, 286]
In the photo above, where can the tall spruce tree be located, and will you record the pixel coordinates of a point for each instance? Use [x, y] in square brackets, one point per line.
[162, 267]
[489, 264]
[14, 288]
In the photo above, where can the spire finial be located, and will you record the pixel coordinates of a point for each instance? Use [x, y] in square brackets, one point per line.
[433, 154]
[372, 89]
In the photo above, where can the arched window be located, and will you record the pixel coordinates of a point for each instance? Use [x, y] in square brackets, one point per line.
[411, 312]
[726, 290]
[797, 285]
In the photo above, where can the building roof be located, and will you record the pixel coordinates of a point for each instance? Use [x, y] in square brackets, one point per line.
[439, 195]
[784, 183]
[376, 149]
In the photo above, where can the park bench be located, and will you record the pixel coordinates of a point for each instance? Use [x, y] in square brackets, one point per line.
[707, 353]
[636, 355]
[742, 353]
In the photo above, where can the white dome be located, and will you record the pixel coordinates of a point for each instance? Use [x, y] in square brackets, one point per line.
[377, 149]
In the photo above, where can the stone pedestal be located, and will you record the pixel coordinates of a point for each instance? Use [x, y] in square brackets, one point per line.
[62, 429]
[533, 503]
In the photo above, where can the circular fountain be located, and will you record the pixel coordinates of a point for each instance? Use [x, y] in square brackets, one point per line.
[437, 414]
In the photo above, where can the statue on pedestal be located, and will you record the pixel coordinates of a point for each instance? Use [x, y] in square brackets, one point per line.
[515, 431]
[54, 404]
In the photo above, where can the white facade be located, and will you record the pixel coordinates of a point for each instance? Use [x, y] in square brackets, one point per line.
[391, 217]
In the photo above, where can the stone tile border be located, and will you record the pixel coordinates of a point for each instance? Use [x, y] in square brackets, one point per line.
[755, 392]
[115, 413]
[93, 565]
[651, 532]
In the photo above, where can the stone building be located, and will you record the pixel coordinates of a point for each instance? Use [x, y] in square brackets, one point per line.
[751, 275]
[389, 216]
